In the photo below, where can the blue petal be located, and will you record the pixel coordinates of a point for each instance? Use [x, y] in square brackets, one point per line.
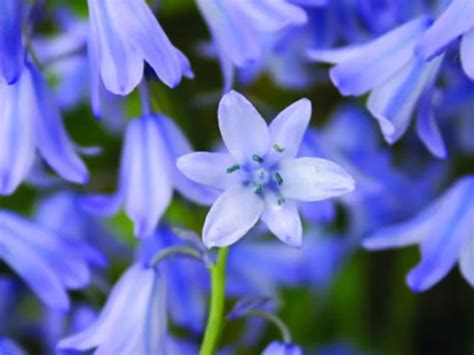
[9, 347]
[374, 63]
[121, 66]
[393, 103]
[51, 138]
[145, 178]
[456, 20]
[466, 260]
[16, 134]
[139, 27]
[12, 56]
[467, 53]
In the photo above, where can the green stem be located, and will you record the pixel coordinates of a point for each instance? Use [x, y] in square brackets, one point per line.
[216, 310]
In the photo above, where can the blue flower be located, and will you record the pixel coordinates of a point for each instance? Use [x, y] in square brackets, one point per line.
[237, 28]
[456, 21]
[280, 348]
[47, 262]
[133, 320]
[36, 124]
[123, 35]
[443, 231]
[260, 176]
[12, 56]
[400, 82]
[148, 174]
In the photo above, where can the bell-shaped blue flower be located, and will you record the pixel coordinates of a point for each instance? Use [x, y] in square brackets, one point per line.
[456, 21]
[444, 232]
[400, 82]
[12, 55]
[280, 348]
[29, 119]
[48, 262]
[124, 34]
[260, 176]
[133, 321]
[148, 174]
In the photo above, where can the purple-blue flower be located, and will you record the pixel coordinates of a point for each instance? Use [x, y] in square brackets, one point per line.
[47, 261]
[259, 175]
[123, 35]
[12, 55]
[29, 120]
[148, 174]
[280, 348]
[457, 21]
[133, 320]
[444, 232]
[400, 82]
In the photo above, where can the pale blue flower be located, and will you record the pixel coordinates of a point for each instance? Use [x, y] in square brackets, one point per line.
[280, 348]
[444, 232]
[133, 320]
[29, 119]
[123, 35]
[260, 176]
[457, 21]
[12, 54]
[400, 82]
[148, 174]
[48, 262]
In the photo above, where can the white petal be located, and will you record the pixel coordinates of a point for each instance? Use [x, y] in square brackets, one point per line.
[243, 130]
[231, 216]
[313, 179]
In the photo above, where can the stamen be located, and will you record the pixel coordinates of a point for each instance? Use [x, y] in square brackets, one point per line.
[233, 168]
[257, 158]
[259, 189]
[278, 178]
[281, 201]
[278, 148]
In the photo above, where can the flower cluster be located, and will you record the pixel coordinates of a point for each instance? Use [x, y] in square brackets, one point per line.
[91, 226]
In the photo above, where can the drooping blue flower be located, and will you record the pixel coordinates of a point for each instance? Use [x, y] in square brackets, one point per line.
[148, 174]
[12, 55]
[399, 81]
[133, 320]
[444, 233]
[260, 176]
[37, 124]
[237, 28]
[280, 348]
[457, 21]
[48, 262]
[124, 34]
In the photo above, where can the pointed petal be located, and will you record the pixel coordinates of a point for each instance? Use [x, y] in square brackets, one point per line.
[287, 130]
[467, 53]
[231, 216]
[139, 27]
[313, 179]
[284, 221]
[145, 178]
[12, 56]
[379, 60]
[466, 260]
[457, 19]
[243, 130]
[121, 67]
[16, 134]
[451, 228]
[394, 102]
[51, 138]
[209, 169]
[101, 205]
[427, 128]
[93, 55]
